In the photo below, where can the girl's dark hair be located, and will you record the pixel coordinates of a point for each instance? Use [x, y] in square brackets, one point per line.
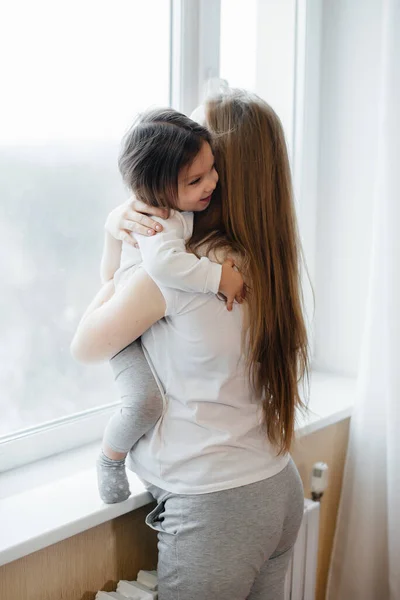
[159, 144]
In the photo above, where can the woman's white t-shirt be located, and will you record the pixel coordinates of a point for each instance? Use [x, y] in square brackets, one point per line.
[209, 437]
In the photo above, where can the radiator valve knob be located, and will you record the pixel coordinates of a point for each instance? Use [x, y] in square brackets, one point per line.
[319, 480]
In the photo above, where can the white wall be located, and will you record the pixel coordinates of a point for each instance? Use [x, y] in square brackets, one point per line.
[348, 143]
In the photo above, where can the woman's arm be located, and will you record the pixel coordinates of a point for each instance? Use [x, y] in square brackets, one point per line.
[111, 258]
[112, 321]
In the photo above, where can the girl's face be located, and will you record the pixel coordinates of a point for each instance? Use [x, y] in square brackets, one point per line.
[197, 182]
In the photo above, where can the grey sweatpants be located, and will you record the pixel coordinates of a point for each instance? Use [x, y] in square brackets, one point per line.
[230, 545]
[141, 400]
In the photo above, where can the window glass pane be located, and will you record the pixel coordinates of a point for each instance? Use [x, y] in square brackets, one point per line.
[238, 43]
[74, 74]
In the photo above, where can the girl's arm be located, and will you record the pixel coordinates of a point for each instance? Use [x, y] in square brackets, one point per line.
[167, 261]
[113, 321]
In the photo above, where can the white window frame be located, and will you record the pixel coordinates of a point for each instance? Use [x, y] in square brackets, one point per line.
[195, 27]
[195, 39]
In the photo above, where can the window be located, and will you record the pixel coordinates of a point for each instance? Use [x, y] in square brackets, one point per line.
[74, 74]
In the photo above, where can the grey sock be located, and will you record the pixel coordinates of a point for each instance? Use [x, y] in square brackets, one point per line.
[112, 480]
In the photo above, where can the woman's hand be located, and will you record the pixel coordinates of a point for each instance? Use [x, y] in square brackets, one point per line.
[132, 217]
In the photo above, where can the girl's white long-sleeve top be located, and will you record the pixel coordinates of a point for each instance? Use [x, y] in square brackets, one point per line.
[166, 260]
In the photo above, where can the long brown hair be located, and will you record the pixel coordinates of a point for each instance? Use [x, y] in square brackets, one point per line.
[160, 143]
[253, 213]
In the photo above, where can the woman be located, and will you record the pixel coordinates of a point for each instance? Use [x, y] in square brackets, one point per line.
[230, 500]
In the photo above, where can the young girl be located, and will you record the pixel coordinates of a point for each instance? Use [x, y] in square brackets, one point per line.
[166, 161]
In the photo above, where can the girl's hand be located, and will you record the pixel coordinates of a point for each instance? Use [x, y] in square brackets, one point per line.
[232, 284]
[131, 217]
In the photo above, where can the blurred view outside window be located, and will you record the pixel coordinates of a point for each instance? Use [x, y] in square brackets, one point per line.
[73, 76]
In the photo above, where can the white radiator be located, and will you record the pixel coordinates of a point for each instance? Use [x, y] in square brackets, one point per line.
[302, 572]
[300, 578]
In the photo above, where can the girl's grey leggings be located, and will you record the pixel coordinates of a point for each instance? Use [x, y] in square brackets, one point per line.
[230, 545]
[141, 400]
